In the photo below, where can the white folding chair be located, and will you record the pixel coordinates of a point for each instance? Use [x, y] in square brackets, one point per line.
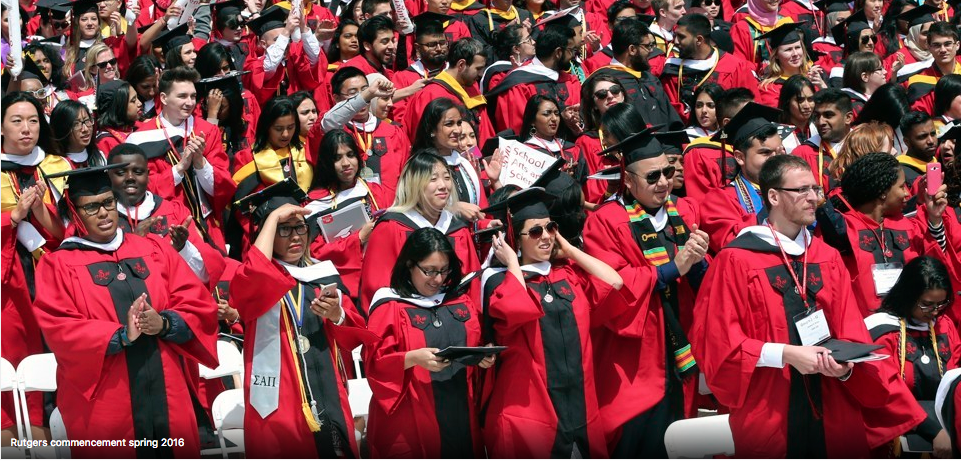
[36, 373]
[228, 413]
[58, 431]
[357, 359]
[699, 438]
[8, 383]
[359, 395]
[231, 362]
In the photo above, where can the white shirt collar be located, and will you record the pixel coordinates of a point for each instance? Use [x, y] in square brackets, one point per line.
[538, 67]
[112, 245]
[143, 210]
[793, 247]
[32, 159]
[78, 157]
[543, 268]
[443, 223]
[175, 130]
[369, 126]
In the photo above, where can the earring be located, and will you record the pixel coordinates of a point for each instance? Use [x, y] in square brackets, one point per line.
[433, 135]
[533, 132]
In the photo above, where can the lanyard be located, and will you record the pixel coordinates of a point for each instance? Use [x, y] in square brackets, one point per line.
[878, 234]
[800, 287]
[680, 72]
[187, 134]
[133, 222]
[364, 141]
[296, 307]
[825, 146]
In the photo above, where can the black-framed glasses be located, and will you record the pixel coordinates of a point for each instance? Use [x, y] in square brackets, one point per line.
[933, 307]
[86, 123]
[803, 190]
[613, 89]
[91, 209]
[353, 92]
[537, 231]
[432, 273]
[437, 44]
[299, 229]
[111, 63]
[653, 177]
[649, 46]
[869, 38]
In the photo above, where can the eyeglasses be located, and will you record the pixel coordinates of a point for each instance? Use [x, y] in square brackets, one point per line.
[803, 190]
[528, 40]
[431, 274]
[869, 38]
[353, 92]
[613, 89]
[111, 63]
[929, 307]
[649, 46]
[285, 231]
[655, 176]
[41, 93]
[537, 231]
[59, 24]
[437, 44]
[710, 2]
[91, 209]
[86, 123]
[947, 44]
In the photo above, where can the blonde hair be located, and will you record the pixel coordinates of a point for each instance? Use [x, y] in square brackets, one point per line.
[774, 69]
[90, 62]
[862, 140]
[414, 179]
[73, 47]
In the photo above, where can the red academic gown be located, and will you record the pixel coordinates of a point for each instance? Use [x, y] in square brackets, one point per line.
[729, 71]
[595, 190]
[385, 150]
[510, 96]
[257, 291]
[723, 216]
[389, 235]
[630, 344]
[403, 79]
[296, 70]
[415, 413]
[920, 87]
[110, 138]
[819, 154]
[361, 62]
[702, 167]
[543, 400]
[747, 299]
[140, 391]
[743, 34]
[152, 138]
[347, 254]
[444, 86]
[856, 236]
[597, 60]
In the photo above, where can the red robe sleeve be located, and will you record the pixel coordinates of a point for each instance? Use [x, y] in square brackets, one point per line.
[702, 172]
[723, 218]
[512, 306]
[510, 107]
[744, 45]
[383, 246]
[248, 292]
[388, 378]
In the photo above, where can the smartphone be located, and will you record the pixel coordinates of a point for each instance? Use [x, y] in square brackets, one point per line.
[935, 177]
[329, 290]
[475, 152]
[487, 235]
[378, 213]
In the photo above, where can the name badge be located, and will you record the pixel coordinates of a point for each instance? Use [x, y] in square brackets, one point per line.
[885, 275]
[812, 328]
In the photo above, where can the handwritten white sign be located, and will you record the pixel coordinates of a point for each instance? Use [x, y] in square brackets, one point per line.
[523, 165]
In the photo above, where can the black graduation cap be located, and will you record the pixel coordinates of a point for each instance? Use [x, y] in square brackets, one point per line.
[56, 42]
[950, 132]
[555, 181]
[57, 9]
[271, 18]
[832, 6]
[530, 203]
[785, 34]
[647, 19]
[85, 182]
[80, 7]
[638, 146]
[851, 27]
[492, 143]
[566, 17]
[673, 141]
[31, 70]
[224, 10]
[722, 39]
[751, 119]
[107, 91]
[430, 16]
[919, 15]
[253, 203]
[172, 38]
[230, 79]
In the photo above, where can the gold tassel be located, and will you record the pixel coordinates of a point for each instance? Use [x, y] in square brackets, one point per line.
[309, 415]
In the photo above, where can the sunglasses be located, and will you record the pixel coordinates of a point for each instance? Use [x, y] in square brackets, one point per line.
[59, 24]
[710, 2]
[869, 38]
[537, 231]
[111, 63]
[655, 176]
[613, 89]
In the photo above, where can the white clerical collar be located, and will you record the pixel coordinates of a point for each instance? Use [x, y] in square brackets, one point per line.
[388, 293]
[317, 270]
[816, 140]
[87, 43]
[142, 211]
[659, 220]
[454, 158]
[793, 247]
[78, 157]
[369, 126]
[32, 159]
[112, 245]
[538, 67]
[443, 222]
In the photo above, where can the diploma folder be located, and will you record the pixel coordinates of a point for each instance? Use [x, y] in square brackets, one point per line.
[343, 221]
[469, 355]
[847, 351]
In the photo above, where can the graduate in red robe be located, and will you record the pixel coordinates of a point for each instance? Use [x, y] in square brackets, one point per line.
[417, 205]
[296, 322]
[423, 406]
[948, 409]
[702, 167]
[541, 308]
[428, 47]
[922, 342]
[185, 156]
[120, 312]
[754, 137]
[787, 394]
[874, 238]
[745, 33]
[378, 56]
[284, 67]
[644, 369]
[699, 62]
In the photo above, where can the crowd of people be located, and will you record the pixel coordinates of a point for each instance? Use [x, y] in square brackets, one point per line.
[753, 208]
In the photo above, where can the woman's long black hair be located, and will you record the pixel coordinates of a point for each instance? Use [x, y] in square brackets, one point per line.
[920, 274]
[420, 244]
[325, 175]
[530, 114]
[57, 78]
[114, 114]
[275, 108]
[61, 124]
[45, 139]
[433, 114]
[333, 55]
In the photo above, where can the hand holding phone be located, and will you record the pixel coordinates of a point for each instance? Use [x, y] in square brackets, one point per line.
[329, 291]
[935, 177]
